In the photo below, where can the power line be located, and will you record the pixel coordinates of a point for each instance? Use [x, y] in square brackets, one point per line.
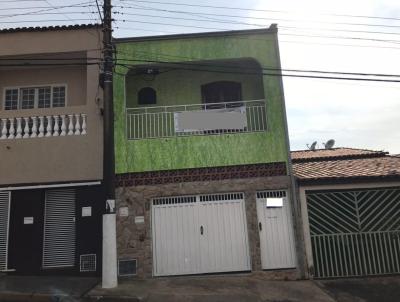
[239, 69]
[66, 16]
[54, 20]
[28, 64]
[333, 44]
[47, 8]
[140, 7]
[55, 6]
[51, 59]
[339, 30]
[294, 20]
[277, 74]
[280, 41]
[254, 10]
[98, 9]
[253, 24]
[224, 29]
[13, 1]
[256, 69]
[39, 13]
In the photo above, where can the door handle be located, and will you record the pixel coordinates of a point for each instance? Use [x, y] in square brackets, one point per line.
[260, 226]
[201, 230]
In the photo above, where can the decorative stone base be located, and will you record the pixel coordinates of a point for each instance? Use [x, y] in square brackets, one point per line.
[134, 239]
[201, 174]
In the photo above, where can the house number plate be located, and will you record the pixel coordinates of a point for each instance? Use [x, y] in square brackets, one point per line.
[28, 220]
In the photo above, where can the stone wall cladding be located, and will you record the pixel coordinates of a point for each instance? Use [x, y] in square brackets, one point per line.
[201, 174]
[134, 240]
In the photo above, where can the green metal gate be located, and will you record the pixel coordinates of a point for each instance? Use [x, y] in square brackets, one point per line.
[355, 233]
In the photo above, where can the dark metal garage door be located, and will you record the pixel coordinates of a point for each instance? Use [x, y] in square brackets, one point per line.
[355, 233]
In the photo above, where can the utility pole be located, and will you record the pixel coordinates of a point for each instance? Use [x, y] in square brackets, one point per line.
[109, 274]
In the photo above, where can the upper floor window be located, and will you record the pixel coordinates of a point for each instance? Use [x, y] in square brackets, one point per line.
[222, 91]
[147, 96]
[34, 97]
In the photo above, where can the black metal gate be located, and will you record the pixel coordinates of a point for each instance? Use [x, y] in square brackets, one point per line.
[355, 233]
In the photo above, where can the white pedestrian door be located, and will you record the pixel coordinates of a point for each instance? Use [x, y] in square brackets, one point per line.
[276, 230]
[199, 234]
[4, 223]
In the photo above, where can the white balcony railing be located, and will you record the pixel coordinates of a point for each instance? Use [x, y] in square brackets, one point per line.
[42, 126]
[205, 119]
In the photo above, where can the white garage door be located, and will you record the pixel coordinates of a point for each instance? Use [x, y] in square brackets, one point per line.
[199, 234]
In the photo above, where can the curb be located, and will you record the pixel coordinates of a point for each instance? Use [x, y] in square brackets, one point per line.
[111, 298]
[32, 297]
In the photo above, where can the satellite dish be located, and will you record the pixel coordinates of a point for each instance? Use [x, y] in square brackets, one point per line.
[329, 144]
[312, 147]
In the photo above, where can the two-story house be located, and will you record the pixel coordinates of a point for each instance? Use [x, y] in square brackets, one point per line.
[51, 145]
[202, 156]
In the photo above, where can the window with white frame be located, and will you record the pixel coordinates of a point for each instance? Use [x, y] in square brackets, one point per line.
[34, 97]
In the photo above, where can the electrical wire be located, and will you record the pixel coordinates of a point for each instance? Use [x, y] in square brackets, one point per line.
[141, 7]
[287, 34]
[98, 9]
[55, 6]
[66, 16]
[263, 68]
[236, 69]
[54, 20]
[278, 74]
[280, 41]
[254, 10]
[244, 17]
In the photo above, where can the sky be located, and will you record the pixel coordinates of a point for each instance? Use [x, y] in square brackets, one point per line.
[313, 35]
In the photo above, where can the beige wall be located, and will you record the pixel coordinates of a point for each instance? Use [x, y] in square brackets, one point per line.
[54, 159]
[74, 77]
[41, 42]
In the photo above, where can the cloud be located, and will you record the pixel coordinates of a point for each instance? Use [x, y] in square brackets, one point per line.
[355, 114]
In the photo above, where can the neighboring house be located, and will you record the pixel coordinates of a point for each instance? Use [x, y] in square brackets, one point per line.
[51, 142]
[202, 156]
[350, 202]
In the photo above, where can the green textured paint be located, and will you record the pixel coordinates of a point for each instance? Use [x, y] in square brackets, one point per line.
[180, 87]
[200, 151]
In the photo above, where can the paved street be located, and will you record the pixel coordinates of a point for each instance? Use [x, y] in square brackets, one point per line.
[237, 288]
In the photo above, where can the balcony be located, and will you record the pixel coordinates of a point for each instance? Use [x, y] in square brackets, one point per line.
[28, 126]
[196, 119]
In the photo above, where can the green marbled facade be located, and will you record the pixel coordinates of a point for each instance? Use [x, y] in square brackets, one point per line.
[183, 87]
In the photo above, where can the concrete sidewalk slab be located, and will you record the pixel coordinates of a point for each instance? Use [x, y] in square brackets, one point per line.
[243, 288]
[44, 288]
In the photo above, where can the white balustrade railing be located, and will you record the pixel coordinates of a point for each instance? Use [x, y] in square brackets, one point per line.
[161, 121]
[43, 126]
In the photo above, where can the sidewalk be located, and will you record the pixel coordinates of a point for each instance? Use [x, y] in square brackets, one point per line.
[227, 288]
[230, 288]
[44, 288]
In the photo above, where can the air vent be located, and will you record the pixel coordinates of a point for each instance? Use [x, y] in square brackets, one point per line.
[174, 200]
[271, 194]
[221, 197]
[88, 263]
[127, 267]
[4, 215]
